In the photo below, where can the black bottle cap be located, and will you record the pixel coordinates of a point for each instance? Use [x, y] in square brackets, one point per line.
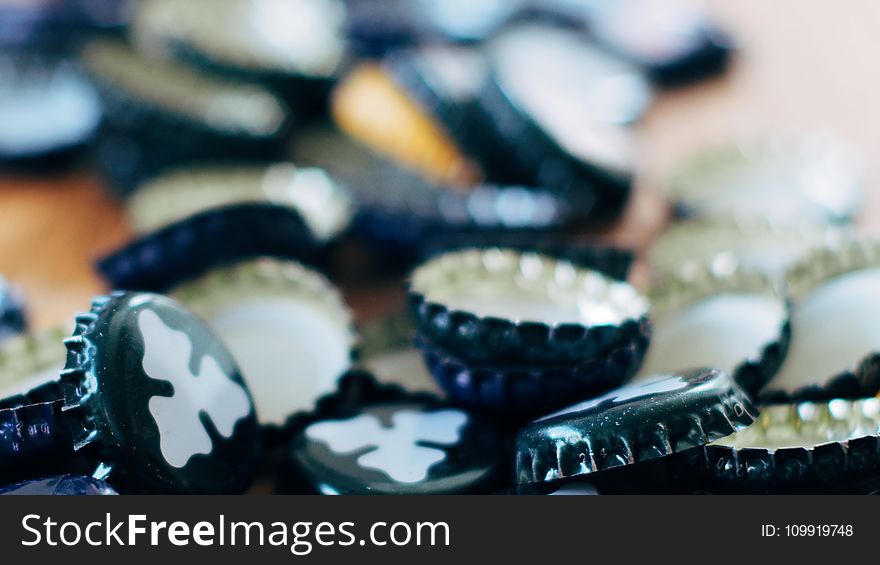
[379, 27]
[798, 448]
[49, 111]
[324, 204]
[65, 485]
[180, 96]
[739, 322]
[447, 82]
[155, 397]
[634, 424]
[552, 135]
[397, 207]
[501, 305]
[674, 41]
[288, 328]
[523, 390]
[161, 115]
[13, 319]
[191, 247]
[835, 352]
[404, 447]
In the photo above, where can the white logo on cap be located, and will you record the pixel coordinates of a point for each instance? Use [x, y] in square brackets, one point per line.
[167, 354]
[394, 450]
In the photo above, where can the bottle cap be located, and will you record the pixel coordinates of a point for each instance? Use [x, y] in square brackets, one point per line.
[289, 38]
[388, 352]
[446, 81]
[152, 394]
[411, 217]
[518, 390]
[287, 327]
[13, 319]
[740, 323]
[637, 423]
[398, 208]
[725, 245]
[815, 178]
[324, 204]
[161, 115]
[610, 90]
[195, 245]
[49, 110]
[799, 447]
[371, 108]
[675, 42]
[405, 447]
[501, 305]
[158, 94]
[65, 485]
[561, 124]
[378, 27]
[835, 348]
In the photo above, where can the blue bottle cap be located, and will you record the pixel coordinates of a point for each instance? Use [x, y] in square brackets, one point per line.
[193, 246]
[65, 485]
[519, 390]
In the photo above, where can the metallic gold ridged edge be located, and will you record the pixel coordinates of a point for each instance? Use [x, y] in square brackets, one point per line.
[614, 262]
[827, 263]
[671, 255]
[676, 293]
[824, 264]
[754, 466]
[575, 455]
[428, 311]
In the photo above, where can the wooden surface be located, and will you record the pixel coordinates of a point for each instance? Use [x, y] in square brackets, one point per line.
[803, 66]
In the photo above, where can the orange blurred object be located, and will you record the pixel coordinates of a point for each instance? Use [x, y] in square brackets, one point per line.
[368, 106]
